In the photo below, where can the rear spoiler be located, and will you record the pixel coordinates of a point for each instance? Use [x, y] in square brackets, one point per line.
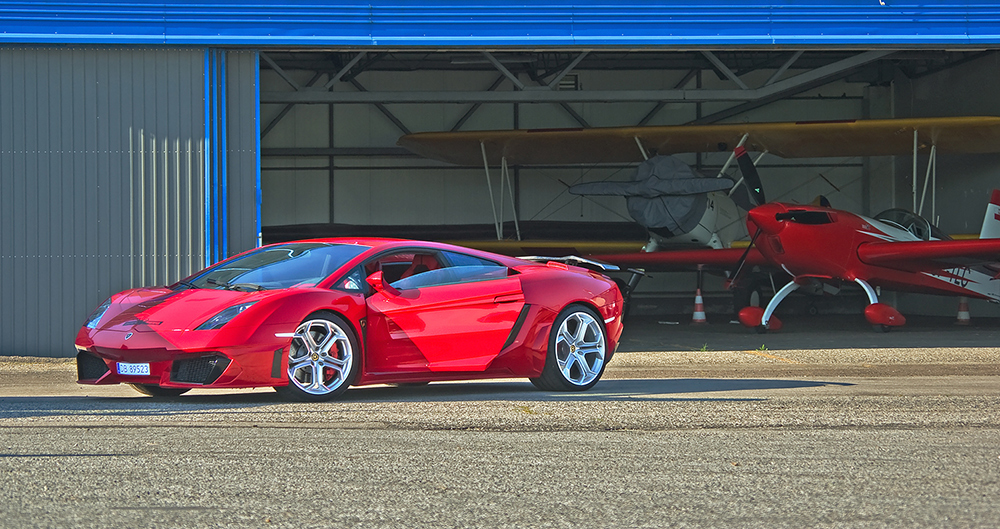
[574, 260]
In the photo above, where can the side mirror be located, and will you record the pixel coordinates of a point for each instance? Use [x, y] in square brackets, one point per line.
[378, 284]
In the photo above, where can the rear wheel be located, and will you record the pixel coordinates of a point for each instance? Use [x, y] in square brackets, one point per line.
[156, 391]
[322, 359]
[577, 351]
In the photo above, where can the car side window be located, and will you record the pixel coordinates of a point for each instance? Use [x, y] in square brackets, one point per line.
[461, 259]
[451, 276]
[416, 269]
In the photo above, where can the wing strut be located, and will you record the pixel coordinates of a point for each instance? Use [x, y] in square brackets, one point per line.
[504, 175]
[489, 187]
[510, 187]
[929, 177]
[732, 156]
[645, 155]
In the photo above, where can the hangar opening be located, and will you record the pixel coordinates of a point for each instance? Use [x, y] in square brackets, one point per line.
[331, 120]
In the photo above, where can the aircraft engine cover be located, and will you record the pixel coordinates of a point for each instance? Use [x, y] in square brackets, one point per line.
[665, 193]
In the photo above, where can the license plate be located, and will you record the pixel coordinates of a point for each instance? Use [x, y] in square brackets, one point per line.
[133, 369]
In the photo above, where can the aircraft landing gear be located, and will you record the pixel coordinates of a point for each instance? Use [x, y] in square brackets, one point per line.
[882, 317]
[764, 320]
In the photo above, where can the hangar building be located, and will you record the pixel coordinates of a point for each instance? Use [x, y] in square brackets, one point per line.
[142, 140]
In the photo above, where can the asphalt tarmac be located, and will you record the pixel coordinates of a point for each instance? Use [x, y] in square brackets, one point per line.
[823, 424]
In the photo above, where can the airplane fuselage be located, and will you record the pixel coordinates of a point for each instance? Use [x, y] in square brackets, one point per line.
[718, 227]
[822, 244]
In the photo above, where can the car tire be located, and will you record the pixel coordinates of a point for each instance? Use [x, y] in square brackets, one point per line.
[323, 359]
[577, 352]
[156, 391]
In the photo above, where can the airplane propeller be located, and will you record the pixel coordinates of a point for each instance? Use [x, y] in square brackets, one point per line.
[756, 194]
[750, 176]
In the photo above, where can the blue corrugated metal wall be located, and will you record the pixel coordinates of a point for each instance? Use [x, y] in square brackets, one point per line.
[502, 22]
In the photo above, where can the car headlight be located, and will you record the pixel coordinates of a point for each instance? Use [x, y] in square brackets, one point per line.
[95, 317]
[222, 318]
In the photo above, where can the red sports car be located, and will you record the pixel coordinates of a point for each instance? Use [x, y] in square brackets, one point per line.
[312, 318]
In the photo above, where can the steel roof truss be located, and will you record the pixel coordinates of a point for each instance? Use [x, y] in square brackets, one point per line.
[544, 95]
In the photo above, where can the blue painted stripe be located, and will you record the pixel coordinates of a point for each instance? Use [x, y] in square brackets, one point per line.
[502, 22]
[223, 156]
[208, 160]
[215, 156]
[256, 119]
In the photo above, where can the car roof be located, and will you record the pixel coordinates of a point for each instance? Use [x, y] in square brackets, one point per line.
[378, 244]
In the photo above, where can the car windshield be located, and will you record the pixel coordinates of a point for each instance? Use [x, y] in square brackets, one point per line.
[301, 264]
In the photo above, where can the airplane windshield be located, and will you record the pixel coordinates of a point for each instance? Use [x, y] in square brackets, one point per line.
[913, 223]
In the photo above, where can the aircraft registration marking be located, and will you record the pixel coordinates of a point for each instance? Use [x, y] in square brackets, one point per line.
[959, 276]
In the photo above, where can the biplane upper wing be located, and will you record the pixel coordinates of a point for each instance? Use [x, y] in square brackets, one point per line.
[812, 139]
[930, 255]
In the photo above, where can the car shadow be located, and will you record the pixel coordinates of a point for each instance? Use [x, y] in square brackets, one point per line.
[91, 407]
[194, 406]
[606, 390]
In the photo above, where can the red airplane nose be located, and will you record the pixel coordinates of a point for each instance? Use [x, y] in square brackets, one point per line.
[763, 218]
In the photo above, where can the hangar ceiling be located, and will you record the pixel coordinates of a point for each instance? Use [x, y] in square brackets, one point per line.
[550, 76]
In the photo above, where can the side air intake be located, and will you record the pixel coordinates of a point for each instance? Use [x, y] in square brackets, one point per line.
[89, 366]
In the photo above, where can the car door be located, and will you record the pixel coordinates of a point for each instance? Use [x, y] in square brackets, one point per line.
[454, 317]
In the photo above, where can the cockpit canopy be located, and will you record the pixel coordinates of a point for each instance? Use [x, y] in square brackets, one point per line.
[913, 223]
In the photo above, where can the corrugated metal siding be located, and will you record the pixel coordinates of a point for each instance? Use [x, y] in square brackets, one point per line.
[101, 172]
[504, 22]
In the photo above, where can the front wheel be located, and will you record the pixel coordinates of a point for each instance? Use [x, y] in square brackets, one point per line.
[156, 391]
[322, 359]
[577, 351]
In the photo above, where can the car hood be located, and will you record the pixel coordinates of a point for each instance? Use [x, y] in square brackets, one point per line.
[166, 309]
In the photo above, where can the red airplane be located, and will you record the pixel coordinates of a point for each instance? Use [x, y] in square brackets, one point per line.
[822, 247]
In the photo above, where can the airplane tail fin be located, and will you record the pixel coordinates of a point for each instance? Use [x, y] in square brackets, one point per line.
[991, 223]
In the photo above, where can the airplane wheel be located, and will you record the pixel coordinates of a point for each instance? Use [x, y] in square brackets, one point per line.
[753, 293]
[761, 329]
[882, 328]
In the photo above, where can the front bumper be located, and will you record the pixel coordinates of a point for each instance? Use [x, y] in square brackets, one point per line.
[192, 364]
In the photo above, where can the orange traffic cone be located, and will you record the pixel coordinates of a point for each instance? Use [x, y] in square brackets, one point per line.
[963, 311]
[699, 308]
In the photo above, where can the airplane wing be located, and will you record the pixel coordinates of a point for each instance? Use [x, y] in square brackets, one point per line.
[930, 255]
[723, 259]
[812, 139]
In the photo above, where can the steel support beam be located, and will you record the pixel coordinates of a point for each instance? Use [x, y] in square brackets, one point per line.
[725, 70]
[544, 95]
